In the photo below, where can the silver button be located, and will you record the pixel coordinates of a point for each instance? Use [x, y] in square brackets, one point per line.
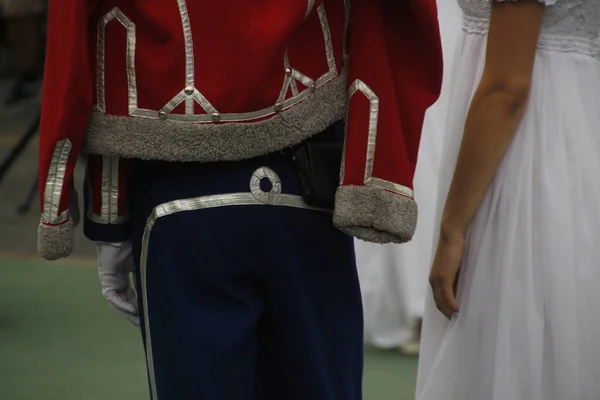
[288, 71]
[278, 107]
[189, 90]
[313, 87]
[216, 117]
[163, 116]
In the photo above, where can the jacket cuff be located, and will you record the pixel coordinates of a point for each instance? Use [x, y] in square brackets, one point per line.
[109, 228]
[55, 241]
[374, 214]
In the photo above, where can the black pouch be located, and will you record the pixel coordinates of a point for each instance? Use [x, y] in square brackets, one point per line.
[318, 165]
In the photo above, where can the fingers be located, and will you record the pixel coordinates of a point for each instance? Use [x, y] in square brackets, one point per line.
[134, 320]
[125, 303]
[121, 302]
[444, 295]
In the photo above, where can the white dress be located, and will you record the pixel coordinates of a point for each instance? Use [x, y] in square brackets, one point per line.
[394, 277]
[529, 289]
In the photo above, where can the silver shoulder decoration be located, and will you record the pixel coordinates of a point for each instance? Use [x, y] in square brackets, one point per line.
[309, 7]
[360, 87]
[116, 15]
[293, 76]
[190, 94]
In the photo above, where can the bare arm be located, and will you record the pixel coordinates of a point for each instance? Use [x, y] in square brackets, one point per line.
[496, 110]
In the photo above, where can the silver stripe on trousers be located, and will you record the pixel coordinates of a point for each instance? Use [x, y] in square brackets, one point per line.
[256, 197]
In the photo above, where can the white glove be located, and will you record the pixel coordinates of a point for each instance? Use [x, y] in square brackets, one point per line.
[115, 264]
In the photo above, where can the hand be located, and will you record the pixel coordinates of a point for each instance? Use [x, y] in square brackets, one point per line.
[445, 270]
[115, 264]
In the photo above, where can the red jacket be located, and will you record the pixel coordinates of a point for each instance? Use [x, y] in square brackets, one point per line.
[215, 81]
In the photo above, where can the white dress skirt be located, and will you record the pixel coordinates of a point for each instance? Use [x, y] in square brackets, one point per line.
[394, 277]
[529, 288]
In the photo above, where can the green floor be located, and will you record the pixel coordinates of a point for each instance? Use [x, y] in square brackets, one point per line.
[59, 340]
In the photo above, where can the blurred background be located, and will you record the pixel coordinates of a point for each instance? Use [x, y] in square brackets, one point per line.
[59, 339]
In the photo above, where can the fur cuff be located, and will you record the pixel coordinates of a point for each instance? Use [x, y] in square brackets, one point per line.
[375, 215]
[55, 241]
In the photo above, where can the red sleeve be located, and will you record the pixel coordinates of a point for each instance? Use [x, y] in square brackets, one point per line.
[66, 108]
[395, 75]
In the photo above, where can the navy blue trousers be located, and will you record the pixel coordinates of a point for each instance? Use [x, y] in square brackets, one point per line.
[243, 297]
